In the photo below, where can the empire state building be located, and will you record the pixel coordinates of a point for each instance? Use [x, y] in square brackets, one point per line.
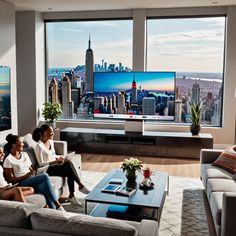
[89, 68]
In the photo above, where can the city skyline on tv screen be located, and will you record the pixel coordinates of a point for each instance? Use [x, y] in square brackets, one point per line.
[134, 95]
[5, 98]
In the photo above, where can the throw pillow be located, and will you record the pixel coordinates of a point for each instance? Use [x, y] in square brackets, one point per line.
[227, 160]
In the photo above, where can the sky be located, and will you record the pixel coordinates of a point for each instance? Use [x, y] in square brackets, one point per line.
[4, 81]
[175, 44]
[121, 81]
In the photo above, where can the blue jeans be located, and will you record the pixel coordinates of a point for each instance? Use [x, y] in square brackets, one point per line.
[42, 184]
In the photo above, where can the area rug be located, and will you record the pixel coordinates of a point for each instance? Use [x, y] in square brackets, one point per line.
[184, 210]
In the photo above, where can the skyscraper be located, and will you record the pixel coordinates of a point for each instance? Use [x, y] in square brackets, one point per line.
[89, 68]
[121, 103]
[53, 88]
[178, 110]
[196, 92]
[148, 105]
[66, 96]
[98, 104]
[133, 92]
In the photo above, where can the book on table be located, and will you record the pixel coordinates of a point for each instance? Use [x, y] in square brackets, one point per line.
[130, 212]
[125, 191]
[111, 188]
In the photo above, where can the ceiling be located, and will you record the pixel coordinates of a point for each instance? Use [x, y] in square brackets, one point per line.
[89, 5]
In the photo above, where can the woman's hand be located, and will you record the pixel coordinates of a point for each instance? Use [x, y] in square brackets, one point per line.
[60, 160]
[31, 173]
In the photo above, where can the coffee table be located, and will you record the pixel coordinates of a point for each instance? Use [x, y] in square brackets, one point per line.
[149, 200]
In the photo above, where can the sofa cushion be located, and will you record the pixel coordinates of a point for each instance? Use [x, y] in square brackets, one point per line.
[78, 224]
[36, 199]
[208, 171]
[28, 141]
[16, 214]
[227, 160]
[220, 185]
[215, 202]
[31, 153]
[57, 181]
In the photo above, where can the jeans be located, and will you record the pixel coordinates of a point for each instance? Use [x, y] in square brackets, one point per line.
[42, 184]
[64, 170]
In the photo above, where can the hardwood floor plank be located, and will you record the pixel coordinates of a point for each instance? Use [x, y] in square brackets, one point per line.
[174, 166]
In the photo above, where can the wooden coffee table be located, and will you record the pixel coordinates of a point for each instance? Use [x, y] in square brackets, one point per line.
[147, 200]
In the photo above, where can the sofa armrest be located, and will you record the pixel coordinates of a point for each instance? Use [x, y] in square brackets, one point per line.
[209, 155]
[60, 147]
[148, 228]
[228, 215]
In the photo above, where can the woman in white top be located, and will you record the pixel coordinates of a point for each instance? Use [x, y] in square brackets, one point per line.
[18, 169]
[7, 191]
[45, 154]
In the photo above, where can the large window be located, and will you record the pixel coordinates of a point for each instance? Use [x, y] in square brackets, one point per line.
[75, 50]
[194, 49]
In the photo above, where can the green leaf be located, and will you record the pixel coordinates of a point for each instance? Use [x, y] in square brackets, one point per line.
[51, 111]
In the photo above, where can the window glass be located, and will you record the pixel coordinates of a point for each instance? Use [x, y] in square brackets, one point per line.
[194, 49]
[75, 50]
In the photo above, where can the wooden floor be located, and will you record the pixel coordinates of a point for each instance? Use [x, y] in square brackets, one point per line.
[175, 167]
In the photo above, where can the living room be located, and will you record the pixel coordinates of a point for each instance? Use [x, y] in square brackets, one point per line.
[24, 49]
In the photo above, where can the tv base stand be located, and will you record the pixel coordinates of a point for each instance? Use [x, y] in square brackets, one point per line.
[155, 144]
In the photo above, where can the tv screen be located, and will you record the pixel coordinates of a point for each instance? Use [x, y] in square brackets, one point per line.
[134, 95]
[5, 98]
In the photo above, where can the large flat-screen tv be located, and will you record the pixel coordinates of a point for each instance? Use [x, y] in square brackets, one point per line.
[134, 95]
[5, 98]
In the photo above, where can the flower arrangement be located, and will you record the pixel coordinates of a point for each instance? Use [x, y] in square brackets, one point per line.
[131, 164]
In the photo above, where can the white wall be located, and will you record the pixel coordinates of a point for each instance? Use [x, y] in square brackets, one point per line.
[30, 59]
[8, 57]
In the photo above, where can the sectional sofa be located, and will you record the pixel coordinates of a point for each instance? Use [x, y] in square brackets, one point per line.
[220, 188]
[19, 219]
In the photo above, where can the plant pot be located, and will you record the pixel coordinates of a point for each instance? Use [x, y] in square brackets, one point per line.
[131, 175]
[195, 129]
[52, 123]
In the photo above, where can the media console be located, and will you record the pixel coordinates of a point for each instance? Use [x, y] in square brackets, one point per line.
[147, 143]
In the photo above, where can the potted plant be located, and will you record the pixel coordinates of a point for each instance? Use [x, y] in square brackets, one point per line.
[195, 116]
[130, 166]
[51, 112]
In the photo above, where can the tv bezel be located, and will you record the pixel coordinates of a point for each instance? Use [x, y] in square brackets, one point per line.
[135, 117]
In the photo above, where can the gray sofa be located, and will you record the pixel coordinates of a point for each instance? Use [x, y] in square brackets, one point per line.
[19, 219]
[220, 188]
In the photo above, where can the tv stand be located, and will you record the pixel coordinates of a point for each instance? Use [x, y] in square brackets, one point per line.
[134, 126]
[148, 143]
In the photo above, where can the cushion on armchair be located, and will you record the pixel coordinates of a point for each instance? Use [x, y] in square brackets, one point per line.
[28, 141]
[227, 160]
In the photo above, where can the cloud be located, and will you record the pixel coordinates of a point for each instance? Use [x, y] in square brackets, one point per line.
[69, 30]
[196, 35]
[217, 21]
[118, 44]
[194, 52]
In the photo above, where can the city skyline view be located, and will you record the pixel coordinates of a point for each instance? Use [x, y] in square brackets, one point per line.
[193, 48]
[4, 81]
[134, 95]
[120, 81]
[195, 42]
